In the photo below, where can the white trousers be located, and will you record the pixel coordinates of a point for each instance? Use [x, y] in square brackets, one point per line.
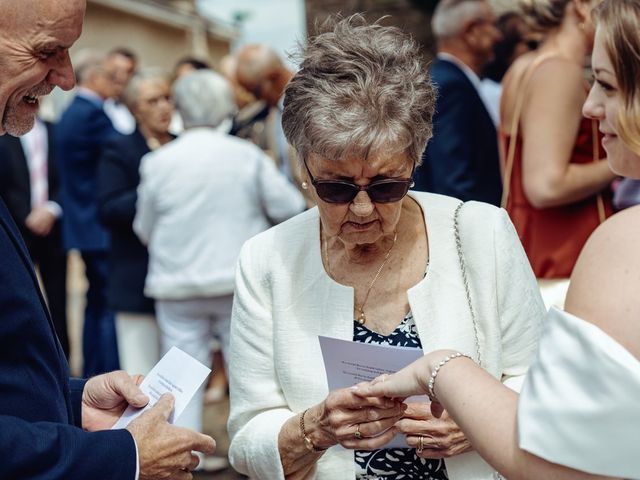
[138, 342]
[190, 325]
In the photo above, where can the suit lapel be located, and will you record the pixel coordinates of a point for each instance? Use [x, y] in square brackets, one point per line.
[457, 71]
[7, 223]
[21, 168]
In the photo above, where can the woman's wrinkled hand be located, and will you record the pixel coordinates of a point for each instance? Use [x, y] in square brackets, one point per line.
[354, 421]
[430, 435]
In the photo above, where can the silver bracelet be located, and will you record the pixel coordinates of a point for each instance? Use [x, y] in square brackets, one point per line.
[434, 373]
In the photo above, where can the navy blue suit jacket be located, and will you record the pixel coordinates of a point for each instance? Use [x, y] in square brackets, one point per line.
[461, 160]
[40, 436]
[81, 134]
[15, 183]
[118, 180]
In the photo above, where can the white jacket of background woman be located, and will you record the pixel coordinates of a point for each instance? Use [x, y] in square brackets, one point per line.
[200, 198]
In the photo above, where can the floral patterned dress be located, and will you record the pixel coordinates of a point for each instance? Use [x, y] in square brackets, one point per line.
[395, 463]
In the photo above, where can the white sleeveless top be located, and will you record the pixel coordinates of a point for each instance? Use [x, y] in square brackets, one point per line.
[580, 404]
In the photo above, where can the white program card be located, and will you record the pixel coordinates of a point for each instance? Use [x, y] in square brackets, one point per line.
[176, 373]
[349, 363]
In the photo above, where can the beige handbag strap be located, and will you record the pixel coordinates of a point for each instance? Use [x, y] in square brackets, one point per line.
[515, 122]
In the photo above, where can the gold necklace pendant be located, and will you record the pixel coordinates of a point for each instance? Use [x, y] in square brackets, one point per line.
[361, 318]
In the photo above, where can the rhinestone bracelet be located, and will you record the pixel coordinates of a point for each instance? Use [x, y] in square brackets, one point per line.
[434, 373]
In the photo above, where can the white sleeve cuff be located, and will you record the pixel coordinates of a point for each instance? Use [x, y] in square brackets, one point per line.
[54, 208]
[137, 459]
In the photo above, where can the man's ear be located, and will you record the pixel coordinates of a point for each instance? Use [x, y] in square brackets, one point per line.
[469, 30]
[583, 10]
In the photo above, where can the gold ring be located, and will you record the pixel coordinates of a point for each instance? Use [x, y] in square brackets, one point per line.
[357, 433]
[420, 444]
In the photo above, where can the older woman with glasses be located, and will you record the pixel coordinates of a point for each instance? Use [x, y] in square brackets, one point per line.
[372, 263]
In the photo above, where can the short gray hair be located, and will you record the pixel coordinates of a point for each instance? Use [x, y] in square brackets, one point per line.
[362, 88]
[86, 63]
[132, 90]
[451, 16]
[204, 99]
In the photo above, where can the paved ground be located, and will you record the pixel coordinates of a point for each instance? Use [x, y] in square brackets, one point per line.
[215, 415]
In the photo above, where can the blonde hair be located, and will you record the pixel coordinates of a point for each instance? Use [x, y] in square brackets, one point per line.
[619, 23]
[545, 14]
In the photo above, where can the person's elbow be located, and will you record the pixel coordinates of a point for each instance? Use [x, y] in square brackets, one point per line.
[287, 207]
[544, 192]
[139, 229]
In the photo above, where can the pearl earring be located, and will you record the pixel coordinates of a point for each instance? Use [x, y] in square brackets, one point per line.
[305, 185]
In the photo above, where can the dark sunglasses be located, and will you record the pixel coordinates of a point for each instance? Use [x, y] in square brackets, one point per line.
[387, 190]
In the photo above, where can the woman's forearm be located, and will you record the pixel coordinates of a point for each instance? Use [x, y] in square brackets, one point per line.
[570, 184]
[486, 411]
[296, 457]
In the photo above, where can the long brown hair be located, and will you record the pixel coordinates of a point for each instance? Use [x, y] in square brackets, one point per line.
[619, 23]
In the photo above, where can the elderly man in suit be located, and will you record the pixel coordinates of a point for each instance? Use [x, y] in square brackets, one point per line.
[29, 185]
[81, 135]
[260, 71]
[462, 160]
[50, 427]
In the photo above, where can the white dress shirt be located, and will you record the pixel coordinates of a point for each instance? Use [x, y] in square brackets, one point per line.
[35, 145]
[121, 118]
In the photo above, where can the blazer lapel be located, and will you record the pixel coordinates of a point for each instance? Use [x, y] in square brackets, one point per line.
[21, 169]
[439, 303]
[7, 223]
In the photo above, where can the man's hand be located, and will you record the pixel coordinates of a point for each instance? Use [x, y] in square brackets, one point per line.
[105, 398]
[40, 221]
[164, 450]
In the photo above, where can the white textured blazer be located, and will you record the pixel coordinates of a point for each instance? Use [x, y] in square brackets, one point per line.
[284, 299]
[200, 198]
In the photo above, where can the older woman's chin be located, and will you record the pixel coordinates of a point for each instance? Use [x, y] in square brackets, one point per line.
[361, 237]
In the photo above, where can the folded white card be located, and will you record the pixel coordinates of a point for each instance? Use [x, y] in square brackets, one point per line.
[349, 363]
[176, 373]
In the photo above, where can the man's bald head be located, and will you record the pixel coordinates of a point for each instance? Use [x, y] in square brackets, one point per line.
[261, 71]
[35, 37]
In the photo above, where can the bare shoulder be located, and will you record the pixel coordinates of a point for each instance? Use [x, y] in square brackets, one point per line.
[555, 84]
[556, 77]
[605, 284]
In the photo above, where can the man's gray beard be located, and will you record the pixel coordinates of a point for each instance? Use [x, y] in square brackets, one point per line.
[17, 125]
